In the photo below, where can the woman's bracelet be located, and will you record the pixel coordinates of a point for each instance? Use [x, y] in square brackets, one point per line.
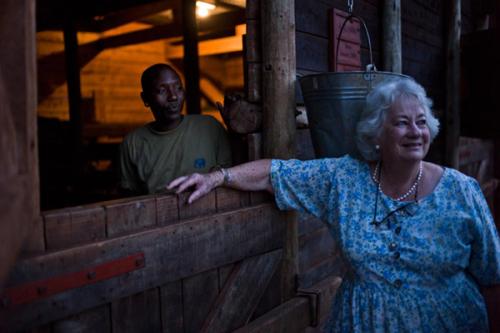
[226, 174]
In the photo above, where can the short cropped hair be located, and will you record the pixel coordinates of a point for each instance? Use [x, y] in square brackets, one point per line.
[377, 106]
[152, 72]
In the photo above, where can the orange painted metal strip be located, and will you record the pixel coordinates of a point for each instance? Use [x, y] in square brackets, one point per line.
[32, 291]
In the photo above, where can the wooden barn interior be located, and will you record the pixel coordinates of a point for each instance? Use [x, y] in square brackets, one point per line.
[78, 257]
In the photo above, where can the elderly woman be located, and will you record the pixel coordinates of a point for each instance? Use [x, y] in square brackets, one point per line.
[418, 237]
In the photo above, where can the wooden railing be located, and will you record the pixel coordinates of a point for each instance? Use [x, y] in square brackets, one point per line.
[153, 263]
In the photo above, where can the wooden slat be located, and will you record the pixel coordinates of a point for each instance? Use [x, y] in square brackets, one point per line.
[172, 316]
[224, 273]
[35, 242]
[332, 266]
[126, 217]
[314, 247]
[308, 223]
[96, 320]
[167, 210]
[260, 197]
[292, 316]
[69, 227]
[271, 297]
[312, 52]
[137, 313]
[199, 294]
[325, 291]
[171, 253]
[228, 199]
[242, 292]
[303, 145]
[200, 207]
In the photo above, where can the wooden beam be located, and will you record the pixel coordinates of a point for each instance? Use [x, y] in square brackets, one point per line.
[209, 47]
[124, 16]
[19, 189]
[221, 21]
[191, 61]
[242, 293]
[74, 94]
[278, 104]
[278, 48]
[391, 36]
[452, 115]
[290, 317]
[171, 253]
[211, 91]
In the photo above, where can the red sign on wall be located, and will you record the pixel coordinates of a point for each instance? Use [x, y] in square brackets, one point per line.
[349, 45]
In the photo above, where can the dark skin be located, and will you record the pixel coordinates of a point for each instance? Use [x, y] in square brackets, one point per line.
[164, 95]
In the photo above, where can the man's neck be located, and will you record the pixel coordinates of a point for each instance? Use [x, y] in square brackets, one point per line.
[166, 126]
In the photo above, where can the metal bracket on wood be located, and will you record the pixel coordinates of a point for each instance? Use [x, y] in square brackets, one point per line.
[33, 291]
[314, 302]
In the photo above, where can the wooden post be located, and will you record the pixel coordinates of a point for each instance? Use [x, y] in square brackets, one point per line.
[452, 116]
[191, 64]
[253, 53]
[278, 104]
[391, 36]
[19, 201]
[74, 92]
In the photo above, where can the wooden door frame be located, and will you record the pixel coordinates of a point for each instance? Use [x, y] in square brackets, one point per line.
[19, 188]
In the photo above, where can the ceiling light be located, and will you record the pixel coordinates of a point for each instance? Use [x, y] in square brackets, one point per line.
[203, 9]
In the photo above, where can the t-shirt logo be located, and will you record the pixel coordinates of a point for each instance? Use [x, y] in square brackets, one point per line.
[199, 163]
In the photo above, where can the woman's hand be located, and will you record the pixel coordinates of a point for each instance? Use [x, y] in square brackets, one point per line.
[252, 176]
[202, 184]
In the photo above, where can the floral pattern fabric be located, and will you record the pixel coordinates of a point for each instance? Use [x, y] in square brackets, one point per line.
[417, 271]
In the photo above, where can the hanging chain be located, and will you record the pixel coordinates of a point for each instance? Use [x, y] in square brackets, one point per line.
[350, 5]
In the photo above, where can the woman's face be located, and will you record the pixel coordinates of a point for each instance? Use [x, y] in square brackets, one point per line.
[405, 135]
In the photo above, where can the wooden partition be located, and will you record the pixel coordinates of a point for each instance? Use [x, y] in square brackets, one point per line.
[152, 264]
[147, 264]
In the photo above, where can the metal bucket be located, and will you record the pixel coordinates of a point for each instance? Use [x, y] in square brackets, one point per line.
[334, 102]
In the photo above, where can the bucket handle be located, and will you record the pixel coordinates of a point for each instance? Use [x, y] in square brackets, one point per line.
[371, 65]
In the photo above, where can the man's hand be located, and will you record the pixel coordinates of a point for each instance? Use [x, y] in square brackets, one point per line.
[202, 184]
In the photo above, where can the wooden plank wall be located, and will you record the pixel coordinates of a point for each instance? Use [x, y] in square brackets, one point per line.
[423, 24]
[156, 299]
[110, 79]
[19, 184]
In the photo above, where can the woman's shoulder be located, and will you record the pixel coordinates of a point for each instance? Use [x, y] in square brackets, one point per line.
[452, 180]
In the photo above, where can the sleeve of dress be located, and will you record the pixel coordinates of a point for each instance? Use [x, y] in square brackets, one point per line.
[484, 262]
[303, 185]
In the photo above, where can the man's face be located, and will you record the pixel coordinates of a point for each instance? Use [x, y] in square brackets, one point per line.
[165, 96]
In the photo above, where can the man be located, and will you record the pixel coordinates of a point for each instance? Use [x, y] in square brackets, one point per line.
[172, 145]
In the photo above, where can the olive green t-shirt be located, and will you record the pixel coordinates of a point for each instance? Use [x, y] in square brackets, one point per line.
[149, 159]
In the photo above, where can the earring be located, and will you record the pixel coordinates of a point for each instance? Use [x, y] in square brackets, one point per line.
[146, 105]
[377, 148]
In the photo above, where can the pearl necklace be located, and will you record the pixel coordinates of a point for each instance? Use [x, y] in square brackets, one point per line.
[410, 191]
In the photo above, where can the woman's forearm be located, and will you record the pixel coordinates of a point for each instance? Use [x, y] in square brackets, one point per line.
[251, 176]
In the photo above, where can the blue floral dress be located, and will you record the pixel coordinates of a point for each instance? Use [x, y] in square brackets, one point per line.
[419, 269]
